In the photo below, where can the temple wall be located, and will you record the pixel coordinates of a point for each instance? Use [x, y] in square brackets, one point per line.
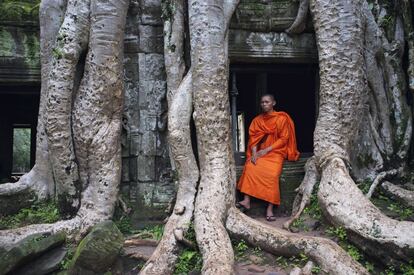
[256, 36]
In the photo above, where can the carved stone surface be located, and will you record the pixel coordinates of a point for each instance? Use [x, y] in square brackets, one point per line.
[146, 167]
[19, 52]
[264, 15]
[272, 47]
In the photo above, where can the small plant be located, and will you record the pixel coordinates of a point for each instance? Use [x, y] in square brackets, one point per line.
[338, 232]
[353, 252]
[240, 248]
[65, 263]
[282, 261]
[408, 269]
[313, 209]
[365, 185]
[152, 232]
[188, 261]
[46, 212]
[402, 211]
[369, 266]
[124, 225]
[299, 223]
[316, 270]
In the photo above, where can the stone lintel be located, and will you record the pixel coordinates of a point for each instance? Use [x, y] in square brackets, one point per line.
[272, 47]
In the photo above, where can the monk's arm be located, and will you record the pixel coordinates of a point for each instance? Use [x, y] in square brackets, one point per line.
[254, 154]
[282, 140]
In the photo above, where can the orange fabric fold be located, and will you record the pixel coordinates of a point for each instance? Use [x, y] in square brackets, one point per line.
[277, 130]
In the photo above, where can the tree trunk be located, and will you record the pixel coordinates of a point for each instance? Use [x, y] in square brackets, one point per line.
[341, 33]
[83, 136]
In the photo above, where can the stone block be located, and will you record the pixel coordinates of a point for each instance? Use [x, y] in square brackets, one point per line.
[152, 95]
[247, 45]
[150, 12]
[45, 264]
[146, 168]
[151, 39]
[148, 143]
[135, 143]
[99, 250]
[29, 248]
[151, 66]
[133, 169]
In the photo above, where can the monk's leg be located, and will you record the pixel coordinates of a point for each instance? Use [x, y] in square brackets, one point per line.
[245, 202]
[269, 212]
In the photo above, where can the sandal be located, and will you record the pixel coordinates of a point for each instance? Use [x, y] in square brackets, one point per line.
[270, 218]
[242, 208]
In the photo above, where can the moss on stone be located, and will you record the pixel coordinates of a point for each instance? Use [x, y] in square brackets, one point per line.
[7, 45]
[19, 10]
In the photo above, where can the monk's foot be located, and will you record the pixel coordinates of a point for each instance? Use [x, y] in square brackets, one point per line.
[270, 218]
[243, 206]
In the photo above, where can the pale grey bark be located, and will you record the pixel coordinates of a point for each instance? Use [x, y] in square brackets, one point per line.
[208, 33]
[398, 193]
[95, 117]
[39, 180]
[406, 11]
[71, 41]
[345, 205]
[299, 24]
[343, 31]
[97, 112]
[379, 178]
[180, 110]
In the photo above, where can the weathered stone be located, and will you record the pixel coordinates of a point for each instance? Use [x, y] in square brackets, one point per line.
[151, 39]
[28, 249]
[264, 15]
[99, 249]
[247, 45]
[45, 264]
[146, 168]
[150, 12]
[19, 53]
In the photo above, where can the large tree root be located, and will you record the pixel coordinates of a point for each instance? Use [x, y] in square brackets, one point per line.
[305, 189]
[400, 194]
[327, 254]
[345, 205]
[8, 238]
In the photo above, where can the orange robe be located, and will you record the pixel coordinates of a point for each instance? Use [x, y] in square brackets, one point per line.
[262, 180]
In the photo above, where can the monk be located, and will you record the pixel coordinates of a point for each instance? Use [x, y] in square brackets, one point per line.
[271, 140]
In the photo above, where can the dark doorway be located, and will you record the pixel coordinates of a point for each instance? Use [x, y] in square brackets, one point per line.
[294, 87]
[18, 120]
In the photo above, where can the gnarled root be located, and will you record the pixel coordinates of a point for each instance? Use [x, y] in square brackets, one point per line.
[379, 178]
[299, 24]
[403, 195]
[10, 237]
[345, 205]
[327, 254]
[305, 189]
[30, 188]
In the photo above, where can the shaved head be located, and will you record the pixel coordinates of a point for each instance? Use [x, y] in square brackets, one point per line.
[269, 95]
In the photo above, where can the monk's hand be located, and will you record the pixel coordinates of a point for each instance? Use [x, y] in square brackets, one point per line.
[263, 152]
[253, 159]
